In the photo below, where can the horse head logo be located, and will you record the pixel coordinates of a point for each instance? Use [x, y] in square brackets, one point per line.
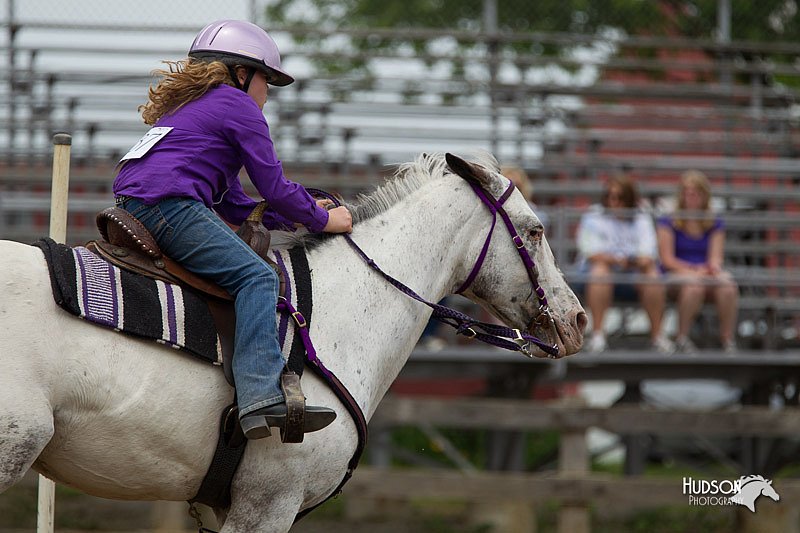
[751, 488]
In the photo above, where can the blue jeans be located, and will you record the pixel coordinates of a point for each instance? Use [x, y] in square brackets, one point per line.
[191, 234]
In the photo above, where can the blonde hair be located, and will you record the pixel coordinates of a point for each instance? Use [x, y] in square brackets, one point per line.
[698, 180]
[182, 82]
[520, 180]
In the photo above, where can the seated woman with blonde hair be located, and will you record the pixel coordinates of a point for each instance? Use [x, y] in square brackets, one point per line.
[691, 246]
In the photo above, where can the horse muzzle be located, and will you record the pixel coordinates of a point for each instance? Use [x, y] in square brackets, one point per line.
[543, 326]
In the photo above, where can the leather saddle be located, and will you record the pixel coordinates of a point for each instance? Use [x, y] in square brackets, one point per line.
[127, 244]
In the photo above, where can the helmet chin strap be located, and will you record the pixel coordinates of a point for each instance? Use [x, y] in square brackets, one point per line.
[246, 85]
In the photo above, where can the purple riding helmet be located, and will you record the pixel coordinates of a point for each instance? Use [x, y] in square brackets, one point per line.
[240, 43]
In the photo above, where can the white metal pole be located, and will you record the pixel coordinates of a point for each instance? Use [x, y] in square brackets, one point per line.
[58, 232]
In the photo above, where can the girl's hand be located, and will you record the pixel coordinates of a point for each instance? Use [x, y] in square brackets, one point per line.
[324, 203]
[339, 220]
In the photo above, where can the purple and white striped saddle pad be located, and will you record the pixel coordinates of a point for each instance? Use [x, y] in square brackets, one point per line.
[99, 292]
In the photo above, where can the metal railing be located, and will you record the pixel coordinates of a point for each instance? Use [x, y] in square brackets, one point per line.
[507, 103]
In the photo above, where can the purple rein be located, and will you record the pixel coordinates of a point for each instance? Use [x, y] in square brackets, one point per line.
[496, 335]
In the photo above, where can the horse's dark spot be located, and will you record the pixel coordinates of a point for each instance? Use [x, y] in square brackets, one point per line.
[513, 299]
[18, 447]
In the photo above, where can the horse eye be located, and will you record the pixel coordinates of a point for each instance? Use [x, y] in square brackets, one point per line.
[536, 233]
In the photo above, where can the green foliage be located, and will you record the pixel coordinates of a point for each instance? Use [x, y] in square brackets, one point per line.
[764, 21]
[471, 444]
[759, 21]
[541, 446]
[463, 39]
[585, 16]
[439, 524]
[337, 56]
[684, 518]
[18, 507]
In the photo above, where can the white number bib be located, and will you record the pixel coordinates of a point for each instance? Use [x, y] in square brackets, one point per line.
[146, 142]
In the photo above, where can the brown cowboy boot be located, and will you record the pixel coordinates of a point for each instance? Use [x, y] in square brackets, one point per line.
[292, 416]
[256, 425]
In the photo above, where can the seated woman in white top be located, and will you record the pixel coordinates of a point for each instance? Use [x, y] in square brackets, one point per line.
[619, 238]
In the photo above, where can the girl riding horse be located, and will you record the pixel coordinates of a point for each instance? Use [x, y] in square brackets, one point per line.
[183, 176]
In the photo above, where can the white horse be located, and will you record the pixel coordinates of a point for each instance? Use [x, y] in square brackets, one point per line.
[117, 417]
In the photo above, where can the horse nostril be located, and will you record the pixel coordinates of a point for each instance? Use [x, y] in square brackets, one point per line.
[581, 321]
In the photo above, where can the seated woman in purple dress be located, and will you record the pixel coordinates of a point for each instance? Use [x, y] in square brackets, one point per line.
[691, 246]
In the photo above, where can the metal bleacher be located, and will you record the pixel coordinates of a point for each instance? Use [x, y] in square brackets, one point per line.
[653, 115]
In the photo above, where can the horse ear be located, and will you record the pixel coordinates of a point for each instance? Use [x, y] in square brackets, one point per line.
[468, 171]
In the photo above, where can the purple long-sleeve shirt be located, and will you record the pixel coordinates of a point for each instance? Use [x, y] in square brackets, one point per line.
[200, 158]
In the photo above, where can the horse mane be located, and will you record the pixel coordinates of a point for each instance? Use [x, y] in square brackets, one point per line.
[408, 177]
[748, 479]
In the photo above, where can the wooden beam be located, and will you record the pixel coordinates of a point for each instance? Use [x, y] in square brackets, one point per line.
[500, 414]
[573, 460]
[625, 493]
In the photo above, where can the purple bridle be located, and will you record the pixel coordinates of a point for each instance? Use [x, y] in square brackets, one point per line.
[496, 335]
[543, 318]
